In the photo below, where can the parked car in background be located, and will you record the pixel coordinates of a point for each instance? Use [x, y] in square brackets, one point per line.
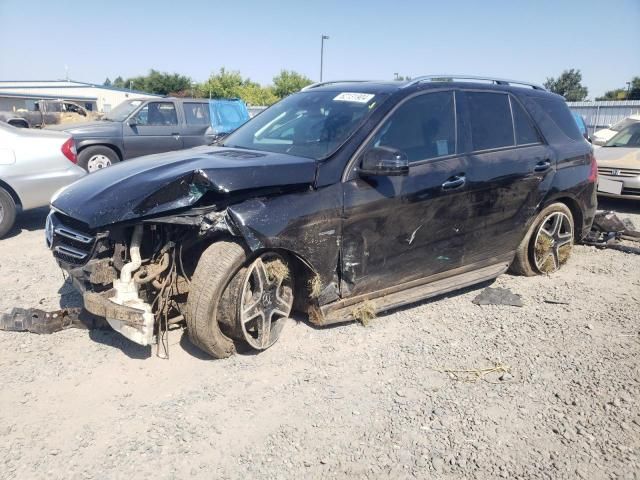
[48, 112]
[143, 126]
[34, 164]
[619, 164]
[582, 126]
[345, 199]
[604, 135]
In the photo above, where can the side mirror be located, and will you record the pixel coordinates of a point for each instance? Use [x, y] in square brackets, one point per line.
[132, 122]
[384, 161]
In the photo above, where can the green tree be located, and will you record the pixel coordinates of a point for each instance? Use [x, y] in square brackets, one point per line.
[288, 82]
[230, 84]
[224, 84]
[118, 82]
[617, 94]
[632, 92]
[107, 82]
[569, 85]
[161, 83]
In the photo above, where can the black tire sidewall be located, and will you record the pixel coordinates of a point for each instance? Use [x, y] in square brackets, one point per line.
[208, 285]
[10, 212]
[87, 153]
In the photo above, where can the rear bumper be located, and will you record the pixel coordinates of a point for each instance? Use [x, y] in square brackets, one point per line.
[35, 189]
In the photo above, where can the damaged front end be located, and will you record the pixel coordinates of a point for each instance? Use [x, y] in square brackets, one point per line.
[135, 276]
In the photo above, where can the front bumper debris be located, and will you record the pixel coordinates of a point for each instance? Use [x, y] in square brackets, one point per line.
[134, 323]
[38, 321]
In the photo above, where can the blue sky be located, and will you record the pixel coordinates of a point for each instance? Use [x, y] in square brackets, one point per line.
[526, 40]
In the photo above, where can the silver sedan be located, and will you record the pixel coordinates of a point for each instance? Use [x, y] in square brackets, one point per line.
[34, 164]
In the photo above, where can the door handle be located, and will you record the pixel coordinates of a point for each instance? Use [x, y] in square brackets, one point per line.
[542, 166]
[176, 134]
[454, 182]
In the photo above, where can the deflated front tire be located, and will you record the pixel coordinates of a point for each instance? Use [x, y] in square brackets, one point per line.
[236, 298]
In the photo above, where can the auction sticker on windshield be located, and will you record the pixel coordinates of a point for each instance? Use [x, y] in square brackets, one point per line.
[354, 97]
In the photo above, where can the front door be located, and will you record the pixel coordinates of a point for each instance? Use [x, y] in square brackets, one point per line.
[153, 129]
[401, 228]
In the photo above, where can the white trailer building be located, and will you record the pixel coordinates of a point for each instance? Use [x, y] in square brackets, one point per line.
[21, 94]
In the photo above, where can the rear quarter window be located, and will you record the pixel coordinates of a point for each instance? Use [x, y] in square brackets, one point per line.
[561, 116]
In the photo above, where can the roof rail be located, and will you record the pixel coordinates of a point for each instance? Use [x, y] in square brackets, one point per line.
[320, 84]
[447, 77]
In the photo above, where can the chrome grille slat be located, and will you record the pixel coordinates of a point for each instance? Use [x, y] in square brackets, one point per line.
[69, 244]
[71, 252]
[73, 234]
[621, 172]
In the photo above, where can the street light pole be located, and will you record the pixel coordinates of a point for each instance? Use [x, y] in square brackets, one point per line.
[324, 37]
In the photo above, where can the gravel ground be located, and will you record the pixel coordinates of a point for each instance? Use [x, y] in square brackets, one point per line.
[347, 401]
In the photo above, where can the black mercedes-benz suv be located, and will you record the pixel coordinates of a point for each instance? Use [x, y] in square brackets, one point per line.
[345, 199]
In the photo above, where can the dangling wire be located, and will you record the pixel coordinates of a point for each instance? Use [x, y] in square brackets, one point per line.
[163, 300]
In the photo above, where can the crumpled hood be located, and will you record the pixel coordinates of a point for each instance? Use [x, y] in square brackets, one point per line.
[163, 182]
[620, 157]
[101, 128]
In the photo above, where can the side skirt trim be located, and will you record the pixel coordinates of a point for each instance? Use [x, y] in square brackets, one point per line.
[416, 290]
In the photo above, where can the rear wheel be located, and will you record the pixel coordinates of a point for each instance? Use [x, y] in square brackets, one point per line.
[548, 243]
[96, 158]
[7, 212]
[233, 298]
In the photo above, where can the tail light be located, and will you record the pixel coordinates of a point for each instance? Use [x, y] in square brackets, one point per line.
[593, 173]
[69, 150]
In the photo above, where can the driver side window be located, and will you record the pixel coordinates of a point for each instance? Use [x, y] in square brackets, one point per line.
[157, 113]
[423, 127]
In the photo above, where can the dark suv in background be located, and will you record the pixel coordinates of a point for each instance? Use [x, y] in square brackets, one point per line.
[140, 127]
[340, 201]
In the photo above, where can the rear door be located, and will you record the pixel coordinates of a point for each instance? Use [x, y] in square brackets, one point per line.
[196, 123]
[152, 129]
[509, 167]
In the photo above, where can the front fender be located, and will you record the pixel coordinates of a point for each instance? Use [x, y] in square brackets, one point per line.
[307, 224]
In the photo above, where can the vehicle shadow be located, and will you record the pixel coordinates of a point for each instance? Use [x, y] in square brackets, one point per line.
[113, 339]
[69, 296]
[31, 221]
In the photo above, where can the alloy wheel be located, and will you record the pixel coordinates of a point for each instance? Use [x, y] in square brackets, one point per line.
[266, 300]
[553, 243]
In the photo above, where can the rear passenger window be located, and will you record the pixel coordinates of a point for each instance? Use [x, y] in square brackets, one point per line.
[423, 127]
[560, 114]
[491, 125]
[197, 113]
[525, 131]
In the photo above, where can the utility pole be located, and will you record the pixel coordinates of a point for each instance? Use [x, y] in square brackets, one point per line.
[324, 37]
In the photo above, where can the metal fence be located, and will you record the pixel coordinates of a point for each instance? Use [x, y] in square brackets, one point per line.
[599, 115]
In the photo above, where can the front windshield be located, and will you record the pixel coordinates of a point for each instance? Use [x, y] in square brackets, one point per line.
[308, 124]
[623, 124]
[122, 111]
[629, 137]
